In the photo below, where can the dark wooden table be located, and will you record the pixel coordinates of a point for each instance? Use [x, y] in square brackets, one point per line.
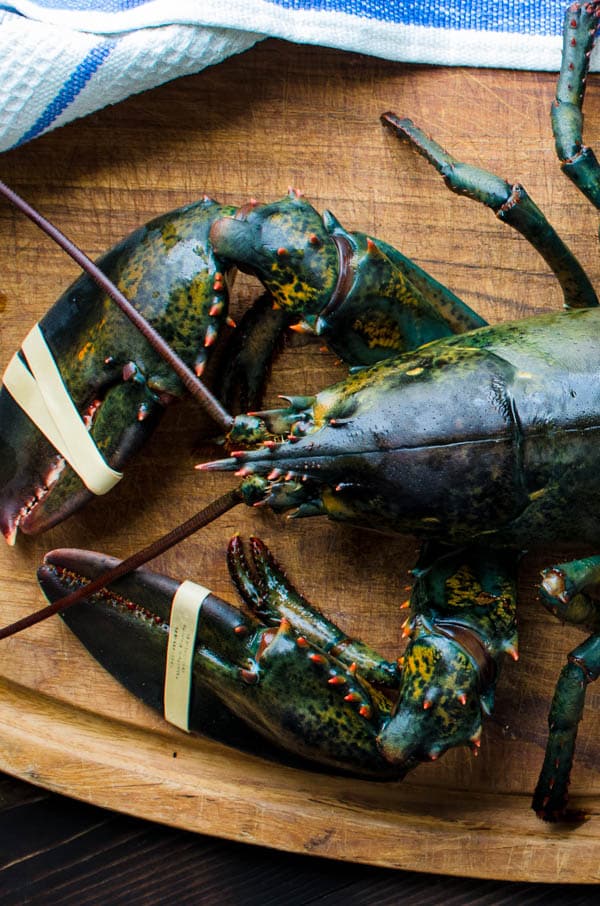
[240, 120]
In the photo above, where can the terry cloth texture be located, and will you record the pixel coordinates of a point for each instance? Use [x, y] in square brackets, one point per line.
[62, 59]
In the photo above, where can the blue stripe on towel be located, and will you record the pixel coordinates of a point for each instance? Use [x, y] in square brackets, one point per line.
[69, 91]
[525, 17]
[539, 17]
[100, 6]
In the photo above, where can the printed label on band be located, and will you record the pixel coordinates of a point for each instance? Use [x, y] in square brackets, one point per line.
[41, 393]
[185, 612]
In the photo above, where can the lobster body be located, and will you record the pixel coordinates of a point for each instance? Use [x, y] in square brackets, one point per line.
[482, 436]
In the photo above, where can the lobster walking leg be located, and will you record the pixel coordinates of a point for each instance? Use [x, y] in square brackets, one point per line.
[510, 203]
[565, 591]
[578, 162]
[250, 350]
[551, 794]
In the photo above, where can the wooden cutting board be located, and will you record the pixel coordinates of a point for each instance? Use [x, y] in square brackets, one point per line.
[308, 117]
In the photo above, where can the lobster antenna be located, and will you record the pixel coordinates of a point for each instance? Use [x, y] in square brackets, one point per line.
[197, 521]
[193, 384]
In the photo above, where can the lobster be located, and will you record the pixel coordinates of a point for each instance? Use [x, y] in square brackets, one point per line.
[474, 438]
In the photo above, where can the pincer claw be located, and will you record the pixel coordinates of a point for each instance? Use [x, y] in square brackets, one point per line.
[87, 371]
[272, 677]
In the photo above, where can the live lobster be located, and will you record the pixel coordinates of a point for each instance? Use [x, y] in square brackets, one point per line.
[478, 439]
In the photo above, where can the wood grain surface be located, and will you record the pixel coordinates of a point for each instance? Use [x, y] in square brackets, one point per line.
[308, 117]
[69, 853]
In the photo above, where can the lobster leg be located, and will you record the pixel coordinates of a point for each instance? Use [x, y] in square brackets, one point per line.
[249, 352]
[565, 591]
[578, 162]
[510, 203]
[551, 794]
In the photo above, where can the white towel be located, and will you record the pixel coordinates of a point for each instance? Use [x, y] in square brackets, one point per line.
[61, 59]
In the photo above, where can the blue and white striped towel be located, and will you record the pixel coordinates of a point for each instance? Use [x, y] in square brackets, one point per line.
[61, 59]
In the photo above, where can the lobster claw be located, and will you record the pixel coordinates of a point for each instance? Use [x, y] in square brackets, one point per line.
[96, 362]
[37, 487]
[127, 630]
[255, 672]
[282, 671]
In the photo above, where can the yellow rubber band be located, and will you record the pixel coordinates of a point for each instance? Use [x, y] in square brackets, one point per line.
[185, 613]
[41, 393]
